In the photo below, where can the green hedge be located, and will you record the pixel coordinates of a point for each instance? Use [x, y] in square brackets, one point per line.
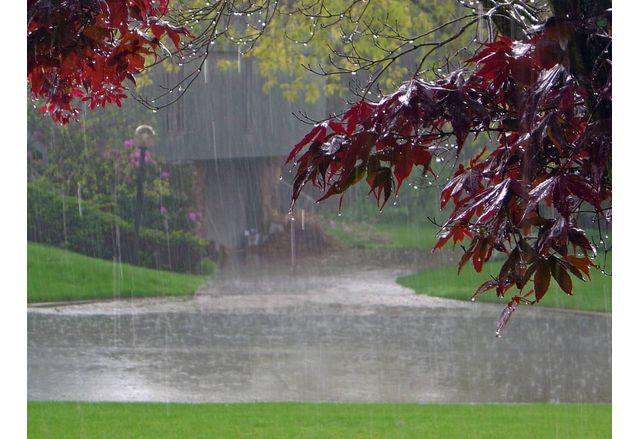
[80, 226]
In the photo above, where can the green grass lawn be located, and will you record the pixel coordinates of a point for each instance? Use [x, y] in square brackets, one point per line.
[376, 236]
[54, 274]
[445, 282]
[303, 420]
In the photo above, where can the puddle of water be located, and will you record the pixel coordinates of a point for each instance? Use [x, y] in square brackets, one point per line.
[356, 336]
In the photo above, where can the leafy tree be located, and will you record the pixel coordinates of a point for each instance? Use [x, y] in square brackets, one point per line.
[87, 48]
[543, 100]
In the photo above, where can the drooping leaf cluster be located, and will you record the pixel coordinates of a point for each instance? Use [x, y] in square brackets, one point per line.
[86, 49]
[523, 194]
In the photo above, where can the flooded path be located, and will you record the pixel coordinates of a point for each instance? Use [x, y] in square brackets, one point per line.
[322, 332]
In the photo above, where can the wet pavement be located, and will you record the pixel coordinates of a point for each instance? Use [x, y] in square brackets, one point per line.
[323, 332]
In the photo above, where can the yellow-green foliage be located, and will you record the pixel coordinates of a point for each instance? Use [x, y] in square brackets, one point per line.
[293, 41]
[303, 33]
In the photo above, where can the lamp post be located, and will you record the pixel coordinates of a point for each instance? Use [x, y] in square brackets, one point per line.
[143, 138]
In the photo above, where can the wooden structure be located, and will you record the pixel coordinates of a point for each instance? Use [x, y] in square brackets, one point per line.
[238, 136]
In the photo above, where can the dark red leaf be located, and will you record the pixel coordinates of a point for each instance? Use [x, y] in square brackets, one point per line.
[488, 285]
[561, 276]
[541, 279]
[504, 317]
[583, 264]
[318, 132]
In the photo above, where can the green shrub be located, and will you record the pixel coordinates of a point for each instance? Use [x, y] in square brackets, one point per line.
[80, 226]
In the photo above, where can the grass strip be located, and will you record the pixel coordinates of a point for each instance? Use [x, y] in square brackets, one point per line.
[445, 282]
[55, 274]
[297, 420]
